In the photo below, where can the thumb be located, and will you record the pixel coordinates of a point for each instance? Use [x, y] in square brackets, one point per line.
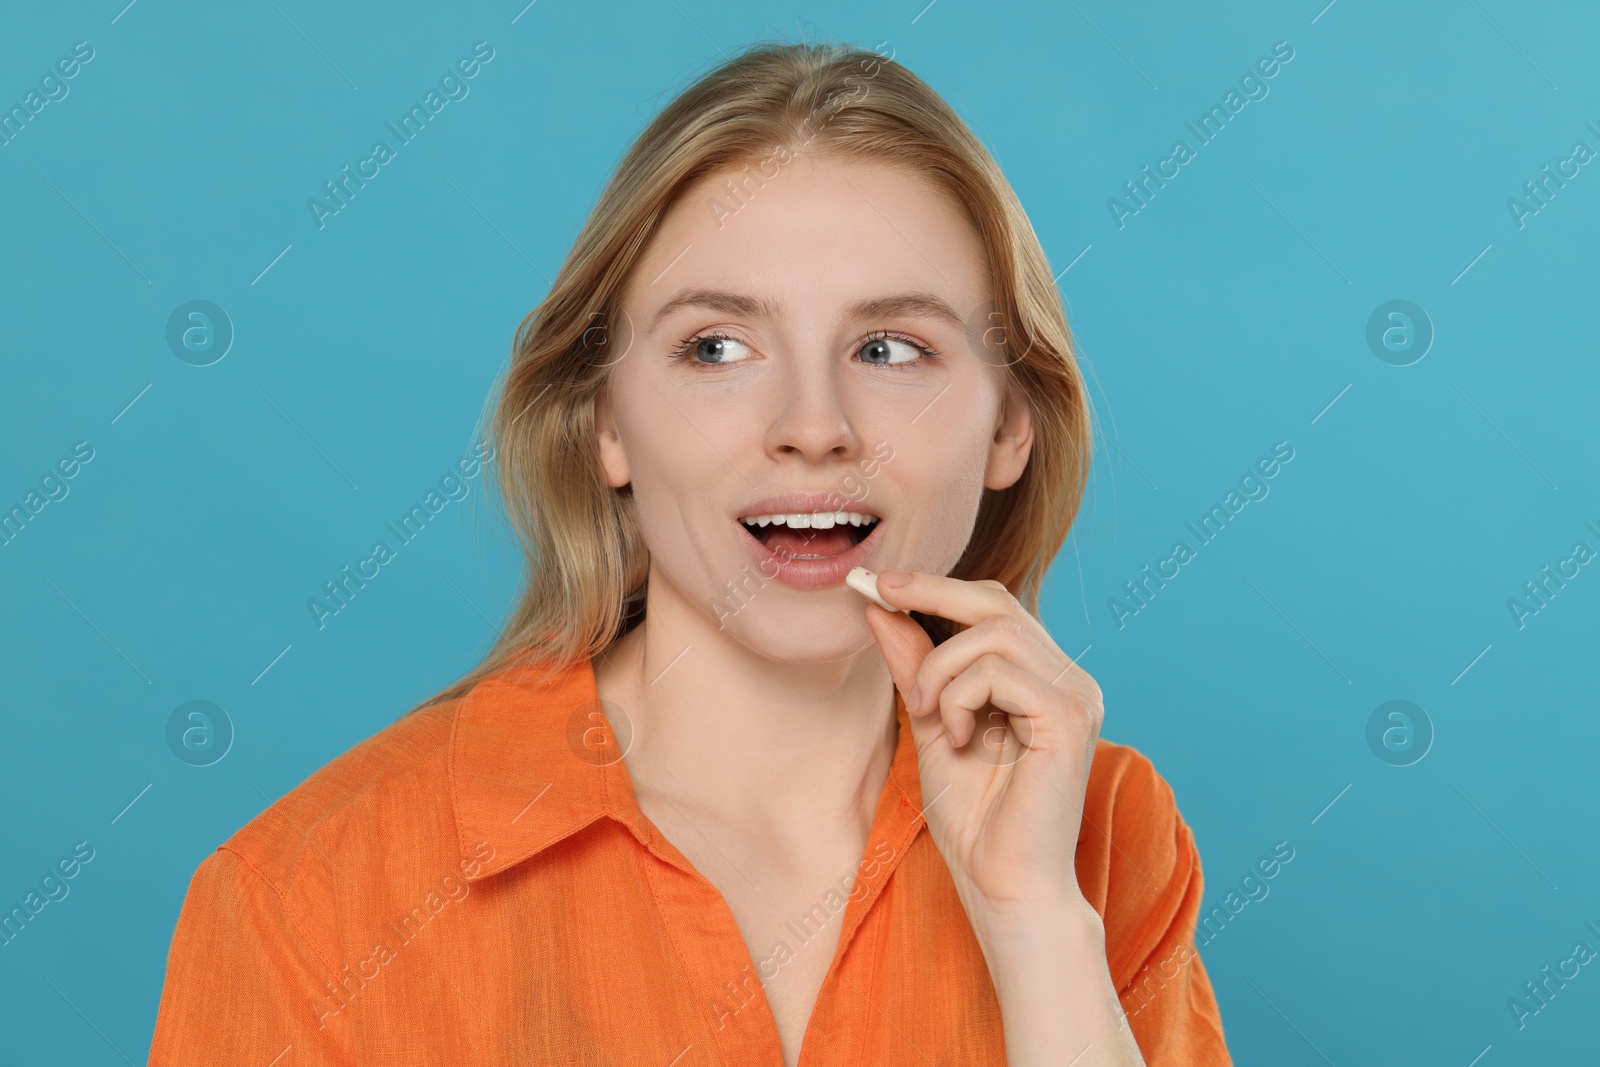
[904, 645]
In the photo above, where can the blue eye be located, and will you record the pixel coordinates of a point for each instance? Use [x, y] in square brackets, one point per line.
[714, 344]
[878, 344]
[880, 349]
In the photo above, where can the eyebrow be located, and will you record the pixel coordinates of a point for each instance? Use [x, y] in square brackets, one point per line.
[925, 305]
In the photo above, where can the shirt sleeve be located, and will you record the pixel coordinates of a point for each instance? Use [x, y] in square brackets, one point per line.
[1150, 900]
[243, 985]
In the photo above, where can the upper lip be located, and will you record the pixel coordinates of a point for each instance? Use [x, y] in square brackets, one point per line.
[805, 503]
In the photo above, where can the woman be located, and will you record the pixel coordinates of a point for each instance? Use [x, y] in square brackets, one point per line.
[704, 803]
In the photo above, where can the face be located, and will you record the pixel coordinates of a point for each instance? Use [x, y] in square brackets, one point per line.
[822, 343]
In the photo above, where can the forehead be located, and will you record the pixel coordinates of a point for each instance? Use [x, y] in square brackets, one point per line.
[812, 236]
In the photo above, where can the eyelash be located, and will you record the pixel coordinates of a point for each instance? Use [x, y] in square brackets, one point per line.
[685, 347]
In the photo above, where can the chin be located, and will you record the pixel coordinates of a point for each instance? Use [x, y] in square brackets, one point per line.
[792, 637]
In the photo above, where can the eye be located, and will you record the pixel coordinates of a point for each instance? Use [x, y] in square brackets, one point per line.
[878, 349]
[710, 344]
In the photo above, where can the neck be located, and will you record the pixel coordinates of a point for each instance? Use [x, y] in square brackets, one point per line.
[793, 752]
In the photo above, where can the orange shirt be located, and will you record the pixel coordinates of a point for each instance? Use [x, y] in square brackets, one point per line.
[476, 884]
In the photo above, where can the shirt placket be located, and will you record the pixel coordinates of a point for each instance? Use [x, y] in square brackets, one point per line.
[722, 978]
[723, 992]
[849, 1002]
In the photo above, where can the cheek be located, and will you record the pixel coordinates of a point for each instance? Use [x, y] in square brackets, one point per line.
[938, 479]
[681, 452]
[685, 462]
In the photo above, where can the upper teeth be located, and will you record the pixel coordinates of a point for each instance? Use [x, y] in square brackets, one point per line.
[804, 520]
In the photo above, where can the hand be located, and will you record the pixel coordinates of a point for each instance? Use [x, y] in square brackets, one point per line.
[1005, 810]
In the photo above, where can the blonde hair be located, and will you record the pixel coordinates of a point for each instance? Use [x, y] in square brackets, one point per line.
[586, 562]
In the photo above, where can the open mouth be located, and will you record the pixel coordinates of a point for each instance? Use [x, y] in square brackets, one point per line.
[810, 535]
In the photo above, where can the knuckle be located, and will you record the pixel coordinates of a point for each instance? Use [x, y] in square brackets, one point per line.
[1090, 708]
[990, 663]
[996, 627]
[1001, 592]
[1006, 628]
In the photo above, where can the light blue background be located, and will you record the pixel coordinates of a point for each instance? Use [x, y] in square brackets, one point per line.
[1227, 315]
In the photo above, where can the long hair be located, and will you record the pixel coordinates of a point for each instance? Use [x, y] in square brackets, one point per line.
[586, 564]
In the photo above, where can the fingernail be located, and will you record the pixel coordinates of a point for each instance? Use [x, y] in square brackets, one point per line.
[912, 701]
[894, 579]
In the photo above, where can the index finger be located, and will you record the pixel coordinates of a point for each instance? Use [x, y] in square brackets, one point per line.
[968, 603]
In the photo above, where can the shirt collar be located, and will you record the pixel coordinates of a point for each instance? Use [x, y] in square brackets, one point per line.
[533, 760]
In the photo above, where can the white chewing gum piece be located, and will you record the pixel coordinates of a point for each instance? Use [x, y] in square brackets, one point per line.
[865, 582]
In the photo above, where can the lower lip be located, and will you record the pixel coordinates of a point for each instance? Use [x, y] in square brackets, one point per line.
[809, 573]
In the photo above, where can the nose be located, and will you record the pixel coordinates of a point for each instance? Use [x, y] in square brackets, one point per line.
[811, 420]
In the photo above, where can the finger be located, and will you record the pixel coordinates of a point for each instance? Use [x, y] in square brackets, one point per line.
[904, 643]
[996, 739]
[990, 680]
[968, 603]
[1040, 715]
[1005, 635]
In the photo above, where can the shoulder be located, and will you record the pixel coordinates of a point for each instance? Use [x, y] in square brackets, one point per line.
[393, 803]
[393, 783]
[1137, 862]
